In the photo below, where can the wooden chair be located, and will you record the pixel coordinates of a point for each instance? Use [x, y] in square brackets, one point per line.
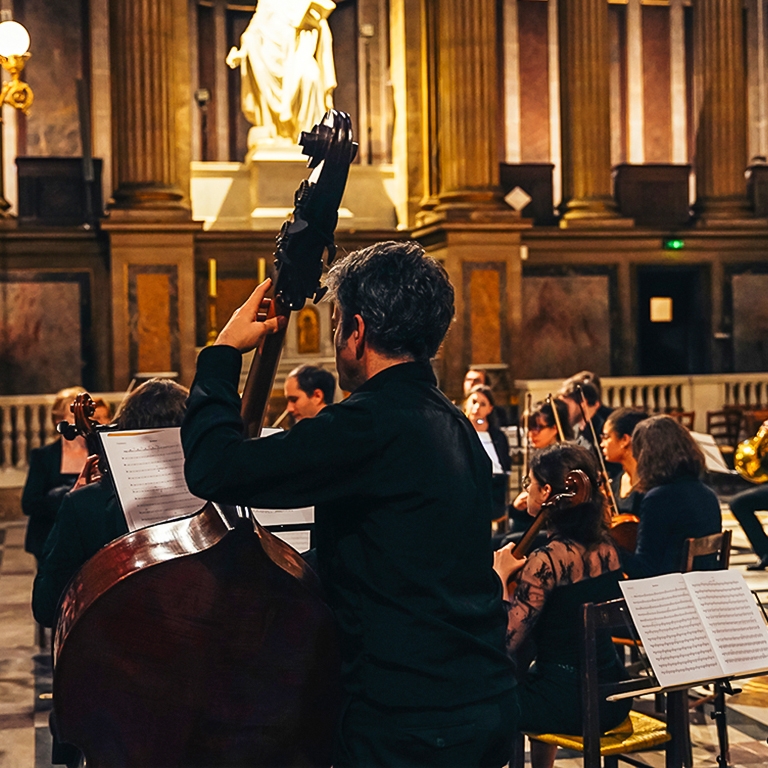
[638, 732]
[686, 418]
[725, 427]
[718, 544]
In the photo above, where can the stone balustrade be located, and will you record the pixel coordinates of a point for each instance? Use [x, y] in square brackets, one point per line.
[659, 394]
[25, 423]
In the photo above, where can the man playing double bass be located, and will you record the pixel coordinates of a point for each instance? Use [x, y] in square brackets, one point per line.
[401, 488]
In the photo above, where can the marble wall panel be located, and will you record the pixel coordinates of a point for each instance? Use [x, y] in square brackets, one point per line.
[153, 318]
[566, 325]
[57, 46]
[657, 95]
[750, 322]
[44, 324]
[485, 311]
[534, 81]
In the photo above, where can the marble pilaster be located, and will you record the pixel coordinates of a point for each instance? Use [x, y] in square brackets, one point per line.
[721, 141]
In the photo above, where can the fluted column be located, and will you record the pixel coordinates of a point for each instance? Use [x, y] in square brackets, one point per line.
[721, 142]
[585, 110]
[465, 139]
[143, 98]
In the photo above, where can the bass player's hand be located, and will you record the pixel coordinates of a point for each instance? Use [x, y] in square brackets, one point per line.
[248, 326]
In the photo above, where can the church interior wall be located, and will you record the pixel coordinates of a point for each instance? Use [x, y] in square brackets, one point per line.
[591, 278]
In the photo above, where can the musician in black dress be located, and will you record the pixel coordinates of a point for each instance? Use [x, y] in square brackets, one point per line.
[90, 517]
[402, 493]
[53, 470]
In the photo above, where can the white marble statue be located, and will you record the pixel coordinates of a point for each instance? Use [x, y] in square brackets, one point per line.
[286, 64]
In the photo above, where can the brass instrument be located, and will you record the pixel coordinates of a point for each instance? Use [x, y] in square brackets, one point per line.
[751, 457]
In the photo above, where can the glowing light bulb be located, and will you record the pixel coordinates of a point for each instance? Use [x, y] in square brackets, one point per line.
[14, 39]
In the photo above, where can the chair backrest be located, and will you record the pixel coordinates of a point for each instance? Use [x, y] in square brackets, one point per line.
[686, 418]
[717, 544]
[725, 426]
[597, 617]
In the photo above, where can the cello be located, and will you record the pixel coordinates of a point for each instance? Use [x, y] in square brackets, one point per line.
[205, 640]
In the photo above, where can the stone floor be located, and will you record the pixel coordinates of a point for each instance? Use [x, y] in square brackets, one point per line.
[25, 676]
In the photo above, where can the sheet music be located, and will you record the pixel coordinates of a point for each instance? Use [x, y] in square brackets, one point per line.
[732, 618]
[713, 458]
[673, 634]
[299, 540]
[147, 468]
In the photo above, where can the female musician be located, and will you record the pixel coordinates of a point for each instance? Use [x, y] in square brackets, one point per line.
[616, 444]
[90, 517]
[479, 409]
[53, 470]
[544, 429]
[578, 564]
[676, 505]
[744, 505]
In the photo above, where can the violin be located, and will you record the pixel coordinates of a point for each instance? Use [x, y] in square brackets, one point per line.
[83, 408]
[206, 641]
[623, 527]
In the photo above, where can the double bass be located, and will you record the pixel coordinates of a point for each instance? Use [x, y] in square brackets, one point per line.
[205, 641]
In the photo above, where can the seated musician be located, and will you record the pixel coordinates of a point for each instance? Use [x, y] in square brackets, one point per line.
[578, 564]
[543, 430]
[393, 466]
[308, 389]
[89, 516]
[616, 445]
[53, 470]
[745, 504]
[480, 410]
[676, 505]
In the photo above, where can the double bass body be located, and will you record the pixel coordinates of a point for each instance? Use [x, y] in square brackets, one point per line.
[203, 651]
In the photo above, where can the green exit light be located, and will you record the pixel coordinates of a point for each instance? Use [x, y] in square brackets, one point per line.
[673, 244]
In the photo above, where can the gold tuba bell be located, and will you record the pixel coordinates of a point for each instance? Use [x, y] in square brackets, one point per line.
[751, 457]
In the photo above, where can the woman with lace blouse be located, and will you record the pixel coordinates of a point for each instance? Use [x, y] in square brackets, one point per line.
[578, 564]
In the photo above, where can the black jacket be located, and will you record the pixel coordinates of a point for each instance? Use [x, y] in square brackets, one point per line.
[43, 491]
[88, 519]
[401, 488]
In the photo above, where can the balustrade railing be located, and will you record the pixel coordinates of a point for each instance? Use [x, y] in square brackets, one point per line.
[661, 394]
[25, 423]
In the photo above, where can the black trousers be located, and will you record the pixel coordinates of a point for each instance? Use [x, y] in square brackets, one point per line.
[477, 735]
[744, 505]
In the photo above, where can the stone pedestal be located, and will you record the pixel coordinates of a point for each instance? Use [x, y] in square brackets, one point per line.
[153, 300]
[485, 266]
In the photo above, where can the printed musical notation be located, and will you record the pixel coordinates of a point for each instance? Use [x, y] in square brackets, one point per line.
[147, 467]
[698, 626]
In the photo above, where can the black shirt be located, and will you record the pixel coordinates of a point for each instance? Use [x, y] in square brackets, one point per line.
[401, 488]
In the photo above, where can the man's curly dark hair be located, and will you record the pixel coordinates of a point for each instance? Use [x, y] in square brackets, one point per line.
[403, 295]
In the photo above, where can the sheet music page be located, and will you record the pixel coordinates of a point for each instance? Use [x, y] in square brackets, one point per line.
[299, 540]
[147, 468]
[673, 633]
[733, 619]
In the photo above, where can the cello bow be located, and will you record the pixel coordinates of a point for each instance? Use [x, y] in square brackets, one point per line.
[623, 527]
